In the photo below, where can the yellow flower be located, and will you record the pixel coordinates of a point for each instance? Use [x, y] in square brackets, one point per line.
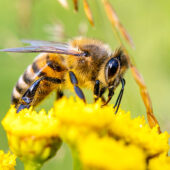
[136, 131]
[7, 161]
[32, 136]
[128, 139]
[71, 112]
[28, 122]
[108, 154]
[160, 162]
[91, 117]
[99, 139]
[75, 116]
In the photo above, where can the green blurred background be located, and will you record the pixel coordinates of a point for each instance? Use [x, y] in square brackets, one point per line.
[148, 23]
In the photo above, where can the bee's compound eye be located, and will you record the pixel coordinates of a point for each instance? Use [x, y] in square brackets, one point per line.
[111, 68]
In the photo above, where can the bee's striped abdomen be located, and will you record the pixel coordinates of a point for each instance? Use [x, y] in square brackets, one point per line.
[22, 85]
[45, 65]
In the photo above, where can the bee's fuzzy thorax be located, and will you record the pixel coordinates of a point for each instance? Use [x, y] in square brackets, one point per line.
[80, 42]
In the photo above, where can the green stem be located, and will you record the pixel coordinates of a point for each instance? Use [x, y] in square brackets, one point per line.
[32, 166]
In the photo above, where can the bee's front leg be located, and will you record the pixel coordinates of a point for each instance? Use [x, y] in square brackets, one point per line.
[110, 95]
[102, 91]
[120, 95]
[77, 89]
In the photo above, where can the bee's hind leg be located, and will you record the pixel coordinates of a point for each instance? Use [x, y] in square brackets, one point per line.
[27, 98]
[77, 89]
[28, 95]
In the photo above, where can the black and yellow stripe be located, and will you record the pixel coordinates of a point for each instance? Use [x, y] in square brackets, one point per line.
[45, 65]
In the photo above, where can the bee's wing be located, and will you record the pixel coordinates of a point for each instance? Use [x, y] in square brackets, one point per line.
[44, 43]
[45, 47]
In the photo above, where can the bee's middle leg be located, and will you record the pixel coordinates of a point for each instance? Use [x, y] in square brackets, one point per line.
[97, 92]
[77, 89]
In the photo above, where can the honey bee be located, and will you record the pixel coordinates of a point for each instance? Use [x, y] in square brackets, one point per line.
[80, 63]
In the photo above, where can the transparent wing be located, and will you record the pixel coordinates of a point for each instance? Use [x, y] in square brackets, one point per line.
[45, 47]
[44, 43]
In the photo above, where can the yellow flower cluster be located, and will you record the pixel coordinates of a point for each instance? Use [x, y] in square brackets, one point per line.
[7, 161]
[107, 153]
[32, 136]
[98, 138]
[160, 162]
[107, 141]
[30, 122]
[136, 131]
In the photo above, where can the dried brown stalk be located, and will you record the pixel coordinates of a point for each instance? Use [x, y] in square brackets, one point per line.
[75, 5]
[115, 21]
[146, 98]
[88, 12]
